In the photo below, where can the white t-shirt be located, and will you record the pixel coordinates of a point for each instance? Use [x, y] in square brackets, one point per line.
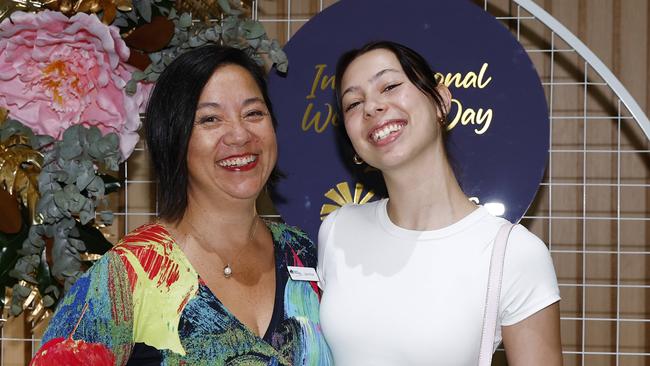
[393, 296]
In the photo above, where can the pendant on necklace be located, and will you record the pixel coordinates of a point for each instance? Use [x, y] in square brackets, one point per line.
[227, 271]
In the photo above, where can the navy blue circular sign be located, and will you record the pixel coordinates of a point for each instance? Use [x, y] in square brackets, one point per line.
[498, 125]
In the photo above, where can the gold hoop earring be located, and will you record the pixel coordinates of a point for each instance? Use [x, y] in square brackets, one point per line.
[357, 159]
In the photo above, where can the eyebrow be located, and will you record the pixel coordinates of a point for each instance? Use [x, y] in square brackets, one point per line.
[371, 80]
[253, 100]
[246, 102]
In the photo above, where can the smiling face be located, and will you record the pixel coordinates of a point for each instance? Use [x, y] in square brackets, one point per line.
[390, 122]
[232, 149]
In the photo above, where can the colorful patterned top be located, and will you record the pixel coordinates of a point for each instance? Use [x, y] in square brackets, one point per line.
[148, 305]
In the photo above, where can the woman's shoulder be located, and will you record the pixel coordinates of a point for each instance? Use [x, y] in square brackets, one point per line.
[151, 249]
[144, 240]
[146, 235]
[353, 211]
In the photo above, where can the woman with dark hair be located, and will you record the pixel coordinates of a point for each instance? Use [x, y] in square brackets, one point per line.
[208, 283]
[404, 279]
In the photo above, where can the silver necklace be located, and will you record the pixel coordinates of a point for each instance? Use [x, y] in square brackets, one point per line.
[227, 269]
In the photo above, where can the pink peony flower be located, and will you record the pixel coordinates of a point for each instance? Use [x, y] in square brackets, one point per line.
[56, 72]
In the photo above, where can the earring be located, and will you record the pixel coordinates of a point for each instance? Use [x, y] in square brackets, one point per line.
[357, 159]
[442, 120]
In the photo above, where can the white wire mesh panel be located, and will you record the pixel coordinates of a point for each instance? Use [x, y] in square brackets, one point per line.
[592, 206]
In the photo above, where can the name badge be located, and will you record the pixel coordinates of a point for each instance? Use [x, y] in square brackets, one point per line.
[302, 273]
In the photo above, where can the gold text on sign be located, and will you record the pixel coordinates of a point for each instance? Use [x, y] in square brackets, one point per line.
[318, 118]
[310, 119]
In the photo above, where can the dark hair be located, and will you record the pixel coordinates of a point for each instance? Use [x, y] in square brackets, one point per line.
[170, 115]
[415, 67]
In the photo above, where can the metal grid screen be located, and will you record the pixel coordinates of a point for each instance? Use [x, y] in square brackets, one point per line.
[591, 209]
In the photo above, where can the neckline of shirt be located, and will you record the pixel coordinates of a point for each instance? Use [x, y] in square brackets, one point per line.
[397, 231]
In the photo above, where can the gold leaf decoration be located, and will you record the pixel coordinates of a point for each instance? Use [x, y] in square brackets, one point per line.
[89, 257]
[35, 311]
[68, 7]
[341, 195]
[9, 6]
[109, 7]
[20, 166]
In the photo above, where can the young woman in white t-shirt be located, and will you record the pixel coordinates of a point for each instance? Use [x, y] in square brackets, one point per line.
[404, 278]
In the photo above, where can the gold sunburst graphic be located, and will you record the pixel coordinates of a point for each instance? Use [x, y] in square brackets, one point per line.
[341, 195]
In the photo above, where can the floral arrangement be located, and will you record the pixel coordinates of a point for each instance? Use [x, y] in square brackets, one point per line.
[74, 78]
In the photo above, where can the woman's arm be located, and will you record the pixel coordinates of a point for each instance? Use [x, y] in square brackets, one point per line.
[535, 340]
[96, 313]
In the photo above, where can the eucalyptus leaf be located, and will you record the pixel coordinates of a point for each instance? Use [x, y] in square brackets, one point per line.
[113, 142]
[131, 87]
[15, 310]
[185, 20]
[107, 217]
[46, 187]
[48, 301]
[157, 68]
[22, 290]
[61, 200]
[196, 42]
[93, 135]
[49, 157]
[77, 244]
[138, 75]
[96, 186]
[225, 6]
[120, 22]
[265, 45]
[132, 15]
[53, 290]
[60, 175]
[155, 57]
[12, 127]
[86, 216]
[83, 179]
[144, 8]
[254, 43]
[40, 141]
[153, 77]
[280, 59]
[253, 29]
[70, 149]
[53, 212]
[162, 9]
[35, 237]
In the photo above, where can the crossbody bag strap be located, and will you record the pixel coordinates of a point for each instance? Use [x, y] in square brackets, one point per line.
[492, 296]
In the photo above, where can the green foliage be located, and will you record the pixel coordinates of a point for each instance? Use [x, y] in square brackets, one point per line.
[71, 186]
[234, 29]
[142, 12]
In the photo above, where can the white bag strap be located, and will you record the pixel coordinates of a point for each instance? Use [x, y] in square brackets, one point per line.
[492, 296]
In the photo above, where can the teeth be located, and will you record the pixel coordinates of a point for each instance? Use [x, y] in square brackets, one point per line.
[237, 162]
[385, 131]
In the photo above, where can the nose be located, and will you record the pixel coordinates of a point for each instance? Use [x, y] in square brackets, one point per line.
[238, 134]
[372, 107]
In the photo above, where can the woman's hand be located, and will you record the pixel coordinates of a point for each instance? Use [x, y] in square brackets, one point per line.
[535, 340]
